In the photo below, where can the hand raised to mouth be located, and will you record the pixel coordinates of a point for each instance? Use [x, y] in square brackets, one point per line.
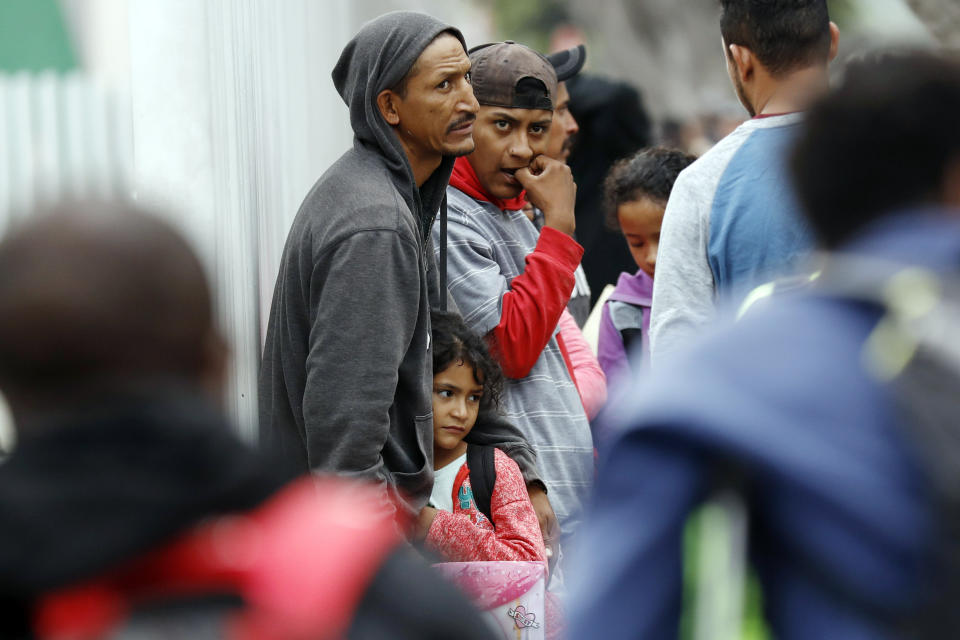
[550, 188]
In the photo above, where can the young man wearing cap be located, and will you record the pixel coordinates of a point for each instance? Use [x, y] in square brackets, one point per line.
[510, 282]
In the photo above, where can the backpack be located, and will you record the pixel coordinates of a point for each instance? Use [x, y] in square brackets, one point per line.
[916, 349]
[483, 476]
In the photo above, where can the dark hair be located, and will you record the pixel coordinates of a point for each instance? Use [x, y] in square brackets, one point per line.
[96, 296]
[784, 34]
[454, 341]
[647, 174]
[882, 140]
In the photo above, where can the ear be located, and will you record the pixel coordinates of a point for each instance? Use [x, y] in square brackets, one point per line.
[834, 40]
[387, 102]
[743, 61]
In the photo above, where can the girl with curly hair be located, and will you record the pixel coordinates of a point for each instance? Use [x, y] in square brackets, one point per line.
[635, 193]
[466, 378]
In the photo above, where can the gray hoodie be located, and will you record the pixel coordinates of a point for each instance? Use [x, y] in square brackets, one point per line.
[346, 378]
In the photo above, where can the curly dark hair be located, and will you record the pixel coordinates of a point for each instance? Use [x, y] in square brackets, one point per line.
[647, 174]
[454, 341]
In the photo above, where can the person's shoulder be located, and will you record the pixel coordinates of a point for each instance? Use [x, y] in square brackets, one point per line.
[508, 471]
[354, 195]
[463, 208]
[466, 215]
[801, 347]
[715, 159]
[629, 282]
[698, 183]
[502, 459]
[699, 180]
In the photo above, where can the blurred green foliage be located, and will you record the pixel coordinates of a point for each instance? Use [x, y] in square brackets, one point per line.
[33, 37]
[843, 12]
[528, 21]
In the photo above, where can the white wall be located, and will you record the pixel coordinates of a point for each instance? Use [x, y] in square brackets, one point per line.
[234, 117]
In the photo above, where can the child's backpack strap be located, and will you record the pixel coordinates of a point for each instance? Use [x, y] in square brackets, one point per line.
[483, 476]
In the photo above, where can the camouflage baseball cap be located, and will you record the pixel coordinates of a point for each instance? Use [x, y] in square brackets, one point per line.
[507, 74]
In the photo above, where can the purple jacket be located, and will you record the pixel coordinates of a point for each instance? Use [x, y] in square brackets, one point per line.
[624, 324]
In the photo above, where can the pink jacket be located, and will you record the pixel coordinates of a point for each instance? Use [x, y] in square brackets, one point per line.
[587, 375]
[466, 535]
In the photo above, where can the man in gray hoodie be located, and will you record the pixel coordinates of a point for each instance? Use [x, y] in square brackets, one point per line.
[345, 383]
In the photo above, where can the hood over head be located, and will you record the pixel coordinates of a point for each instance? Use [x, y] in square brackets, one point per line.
[377, 58]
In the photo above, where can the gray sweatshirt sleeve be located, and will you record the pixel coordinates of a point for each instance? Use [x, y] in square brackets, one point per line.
[683, 286]
[362, 319]
[495, 430]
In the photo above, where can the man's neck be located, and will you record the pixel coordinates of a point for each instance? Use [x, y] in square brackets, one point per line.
[793, 92]
[423, 164]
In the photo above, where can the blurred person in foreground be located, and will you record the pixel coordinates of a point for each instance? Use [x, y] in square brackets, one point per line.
[346, 377]
[791, 407]
[732, 222]
[129, 508]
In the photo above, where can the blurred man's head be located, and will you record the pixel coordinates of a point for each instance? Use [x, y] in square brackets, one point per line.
[517, 89]
[888, 138]
[768, 41]
[567, 64]
[96, 299]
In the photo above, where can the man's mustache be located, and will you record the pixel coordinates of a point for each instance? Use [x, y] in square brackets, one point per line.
[465, 120]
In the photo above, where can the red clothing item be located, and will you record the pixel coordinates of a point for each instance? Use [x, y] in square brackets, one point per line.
[301, 562]
[531, 309]
[465, 535]
[465, 179]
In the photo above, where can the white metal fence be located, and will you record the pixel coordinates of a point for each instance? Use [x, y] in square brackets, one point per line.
[61, 136]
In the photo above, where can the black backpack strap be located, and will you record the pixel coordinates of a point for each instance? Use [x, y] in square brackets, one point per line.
[443, 255]
[483, 476]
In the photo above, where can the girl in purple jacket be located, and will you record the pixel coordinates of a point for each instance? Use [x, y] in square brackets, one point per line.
[635, 193]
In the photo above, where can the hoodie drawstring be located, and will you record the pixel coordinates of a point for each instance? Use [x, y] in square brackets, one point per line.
[443, 254]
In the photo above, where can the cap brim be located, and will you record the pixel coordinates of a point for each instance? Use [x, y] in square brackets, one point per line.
[568, 63]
